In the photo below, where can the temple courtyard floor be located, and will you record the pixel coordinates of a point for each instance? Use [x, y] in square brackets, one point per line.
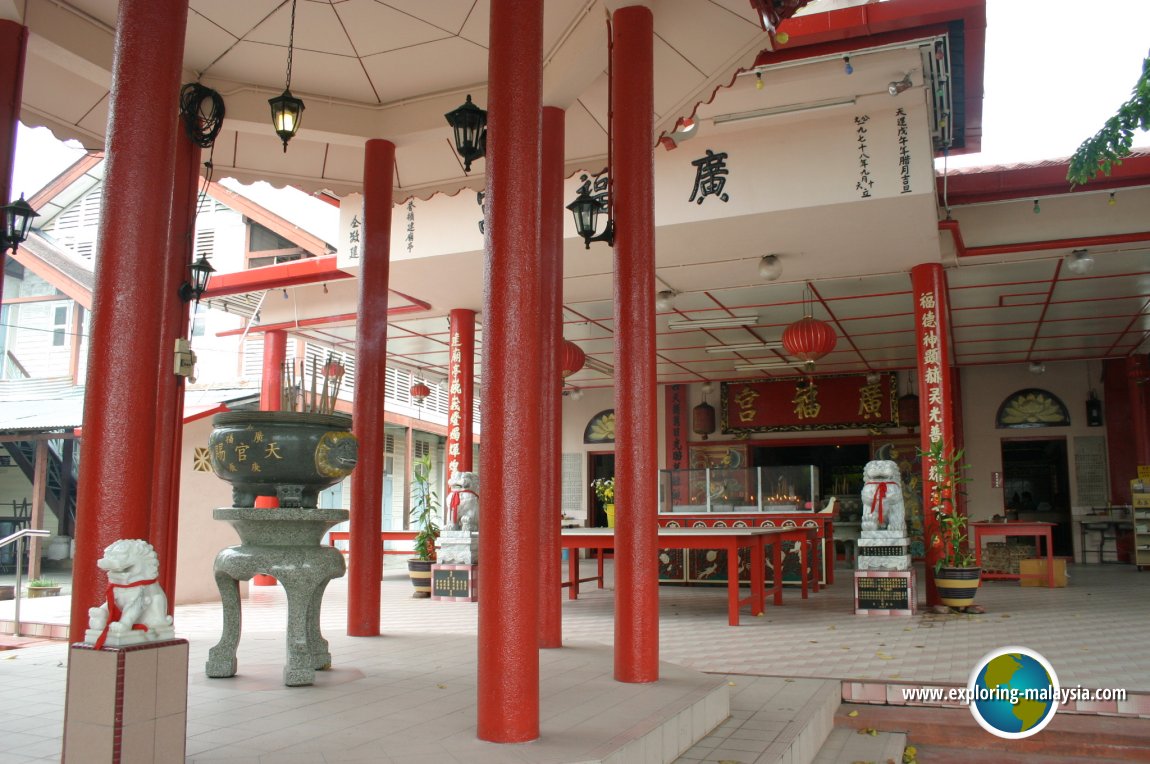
[765, 691]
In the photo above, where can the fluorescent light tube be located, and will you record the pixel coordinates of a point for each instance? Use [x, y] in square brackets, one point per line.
[744, 346]
[766, 365]
[715, 322]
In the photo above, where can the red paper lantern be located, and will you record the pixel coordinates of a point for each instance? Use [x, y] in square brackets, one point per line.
[809, 339]
[419, 391]
[572, 359]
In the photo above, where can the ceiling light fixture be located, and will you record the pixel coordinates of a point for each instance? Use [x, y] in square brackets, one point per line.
[766, 365]
[900, 86]
[1037, 367]
[665, 300]
[770, 268]
[716, 322]
[287, 110]
[1080, 262]
[744, 347]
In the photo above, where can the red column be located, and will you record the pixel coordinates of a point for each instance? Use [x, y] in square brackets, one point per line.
[461, 392]
[271, 382]
[115, 491]
[13, 42]
[636, 418]
[366, 559]
[551, 244]
[936, 410]
[170, 388]
[1138, 384]
[508, 671]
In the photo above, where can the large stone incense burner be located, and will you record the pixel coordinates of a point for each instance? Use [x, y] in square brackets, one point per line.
[291, 455]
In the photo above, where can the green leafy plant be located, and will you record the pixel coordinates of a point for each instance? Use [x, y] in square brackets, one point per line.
[42, 583]
[952, 536]
[425, 509]
[604, 489]
[1106, 148]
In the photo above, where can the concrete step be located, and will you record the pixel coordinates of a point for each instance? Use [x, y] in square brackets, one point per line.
[847, 746]
[934, 754]
[774, 720]
[1084, 736]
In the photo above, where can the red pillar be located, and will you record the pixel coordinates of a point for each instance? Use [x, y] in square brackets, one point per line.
[366, 561]
[461, 392]
[115, 491]
[13, 43]
[165, 525]
[271, 383]
[508, 671]
[551, 245]
[936, 408]
[1138, 384]
[636, 418]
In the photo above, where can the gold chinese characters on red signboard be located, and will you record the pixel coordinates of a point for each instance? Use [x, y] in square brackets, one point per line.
[809, 403]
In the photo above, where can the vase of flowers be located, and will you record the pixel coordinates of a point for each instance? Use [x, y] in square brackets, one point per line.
[604, 489]
[955, 574]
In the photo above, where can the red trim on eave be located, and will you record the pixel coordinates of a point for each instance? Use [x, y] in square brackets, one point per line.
[1079, 242]
[1047, 179]
[310, 270]
[847, 29]
[218, 409]
[57, 278]
[74, 172]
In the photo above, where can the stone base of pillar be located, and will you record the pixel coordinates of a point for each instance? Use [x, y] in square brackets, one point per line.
[127, 703]
[455, 583]
[457, 547]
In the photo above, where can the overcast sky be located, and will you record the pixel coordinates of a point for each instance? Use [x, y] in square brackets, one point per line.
[1054, 75]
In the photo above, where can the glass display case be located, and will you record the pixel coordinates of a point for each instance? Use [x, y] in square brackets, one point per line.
[749, 489]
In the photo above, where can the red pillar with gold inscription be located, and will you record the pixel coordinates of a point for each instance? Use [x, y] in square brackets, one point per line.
[461, 392]
[936, 410]
[115, 490]
[365, 564]
[508, 656]
[551, 243]
[636, 416]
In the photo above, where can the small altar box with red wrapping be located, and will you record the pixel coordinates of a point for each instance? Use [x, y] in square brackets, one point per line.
[455, 583]
[885, 592]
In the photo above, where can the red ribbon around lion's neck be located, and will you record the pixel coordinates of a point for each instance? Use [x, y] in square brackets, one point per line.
[879, 495]
[114, 611]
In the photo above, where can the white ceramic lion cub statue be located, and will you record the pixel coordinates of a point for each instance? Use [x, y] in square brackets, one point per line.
[883, 508]
[463, 502]
[136, 609]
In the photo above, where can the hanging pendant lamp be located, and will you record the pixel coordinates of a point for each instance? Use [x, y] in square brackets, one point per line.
[419, 392]
[703, 415]
[572, 358]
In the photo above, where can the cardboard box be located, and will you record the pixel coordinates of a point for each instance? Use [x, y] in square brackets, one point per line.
[1033, 572]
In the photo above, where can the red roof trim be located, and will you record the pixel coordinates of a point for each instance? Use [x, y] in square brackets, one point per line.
[268, 219]
[70, 175]
[1035, 180]
[310, 270]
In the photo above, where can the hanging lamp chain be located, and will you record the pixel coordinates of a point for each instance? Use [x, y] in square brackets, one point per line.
[291, 45]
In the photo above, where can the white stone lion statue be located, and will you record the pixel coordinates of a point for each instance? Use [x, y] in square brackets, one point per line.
[883, 508]
[463, 502]
[137, 608]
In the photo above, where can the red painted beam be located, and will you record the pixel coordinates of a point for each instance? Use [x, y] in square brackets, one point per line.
[1040, 179]
[303, 323]
[311, 270]
[1078, 242]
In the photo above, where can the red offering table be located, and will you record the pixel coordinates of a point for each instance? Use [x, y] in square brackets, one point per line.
[729, 539]
[1037, 530]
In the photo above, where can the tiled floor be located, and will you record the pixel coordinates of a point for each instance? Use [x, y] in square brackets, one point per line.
[1093, 632]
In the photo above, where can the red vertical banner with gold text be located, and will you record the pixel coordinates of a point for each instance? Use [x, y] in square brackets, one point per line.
[936, 409]
[675, 413]
[461, 390]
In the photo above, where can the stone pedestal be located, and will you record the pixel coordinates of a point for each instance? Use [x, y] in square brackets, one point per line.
[127, 703]
[458, 548]
[455, 583]
[885, 592]
[283, 543]
[886, 552]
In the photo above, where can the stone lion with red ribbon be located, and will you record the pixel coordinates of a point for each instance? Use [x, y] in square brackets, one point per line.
[883, 508]
[136, 609]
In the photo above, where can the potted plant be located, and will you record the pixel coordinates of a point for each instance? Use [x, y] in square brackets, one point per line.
[955, 574]
[605, 491]
[43, 587]
[424, 512]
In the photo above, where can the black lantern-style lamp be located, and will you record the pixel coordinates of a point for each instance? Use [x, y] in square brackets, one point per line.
[586, 209]
[17, 220]
[201, 270]
[287, 111]
[470, 125]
